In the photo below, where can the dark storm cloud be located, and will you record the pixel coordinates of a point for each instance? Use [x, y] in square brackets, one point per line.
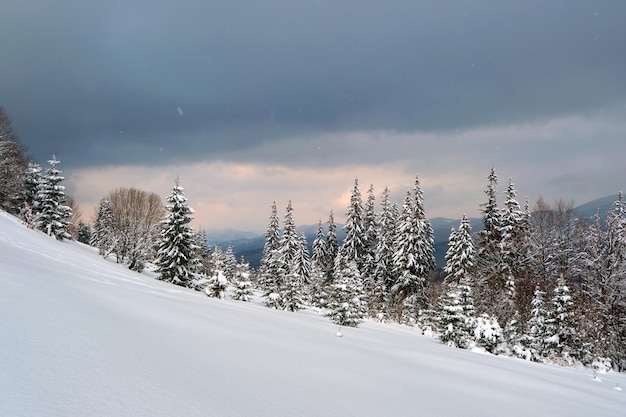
[145, 81]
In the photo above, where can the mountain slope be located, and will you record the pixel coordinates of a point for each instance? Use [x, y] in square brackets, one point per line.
[82, 336]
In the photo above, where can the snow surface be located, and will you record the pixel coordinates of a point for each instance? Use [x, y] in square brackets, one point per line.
[82, 336]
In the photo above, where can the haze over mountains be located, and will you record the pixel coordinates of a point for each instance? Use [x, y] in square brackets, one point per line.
[250, 245]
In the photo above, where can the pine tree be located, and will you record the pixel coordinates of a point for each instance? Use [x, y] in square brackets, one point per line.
[230, 264]
[33, 178]
[319, 258]
[536, 341]
[84, 233]
[272, 236]
[354, 247]
[460, 256]
[346, 304]
[490, 236]
[561, 327]
[270, 260]
[488, 333]
[52, 214]
[320, 249]
[604, 282]
[294, 291]
[332, 242]
[457, 318]
[102, 238]
[242, 285]
[414, 256]
[385, 243]
[176, 261]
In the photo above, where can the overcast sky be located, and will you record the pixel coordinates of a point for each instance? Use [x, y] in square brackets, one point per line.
[250, 102]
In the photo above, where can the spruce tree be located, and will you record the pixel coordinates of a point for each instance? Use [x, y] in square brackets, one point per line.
[457, 317]
[414, 256]
[176, 256]
[385, 244]
[319, 258]
[562, 342]
[536, 340]
[102, 237]
[242, 290]
[332, 242]
[460, 256]
[346, 303]
[52, 215]
[354, 247]
[270, 260]
[371, 283]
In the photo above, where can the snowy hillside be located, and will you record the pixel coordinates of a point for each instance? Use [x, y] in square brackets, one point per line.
[81, 336]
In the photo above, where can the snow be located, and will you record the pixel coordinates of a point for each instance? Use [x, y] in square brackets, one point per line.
[82, 336]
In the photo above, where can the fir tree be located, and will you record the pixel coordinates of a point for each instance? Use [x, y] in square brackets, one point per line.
[346, 304]
[460, 256]
[561, 327]
[414, 258]
[385, 243]
[84, 233]
[536, 340]
[271, 248]
[488, 333]
[176, 261]
[457, 318]
[319, 267]
[332, 242]
[102, 237]
[230, 264]
[354, 246]
[52, 214]
[242, 290]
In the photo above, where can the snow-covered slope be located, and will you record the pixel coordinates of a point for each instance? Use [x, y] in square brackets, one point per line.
[81, 336]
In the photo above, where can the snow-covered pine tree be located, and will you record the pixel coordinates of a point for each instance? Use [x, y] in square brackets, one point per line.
[488, 334]
[535, 341]
[384, 251]
[332, 242]
[604, 282]
[52, 214]
[320, 249]
[217, 285]
[176, 255]
[562, 343]
[294, 291]
[354, 247]
[242, 290]
[372, 285]
[267, 270]
[489, 238]
[230, 264]
[102, 237]
[457, 322]
[460, 255]
[317, 290]
[84, 233]
[32, 180]
[414, 257]
[346, 303]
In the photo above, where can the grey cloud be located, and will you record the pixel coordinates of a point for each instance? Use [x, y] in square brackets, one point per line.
[101, 83]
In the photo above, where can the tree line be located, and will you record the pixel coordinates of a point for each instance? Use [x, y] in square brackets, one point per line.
[541, 284]
[538, 284]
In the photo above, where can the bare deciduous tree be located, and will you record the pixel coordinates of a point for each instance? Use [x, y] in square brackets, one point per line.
[136, 215]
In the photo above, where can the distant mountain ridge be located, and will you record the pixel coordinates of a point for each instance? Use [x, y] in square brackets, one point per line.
[250, 245]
